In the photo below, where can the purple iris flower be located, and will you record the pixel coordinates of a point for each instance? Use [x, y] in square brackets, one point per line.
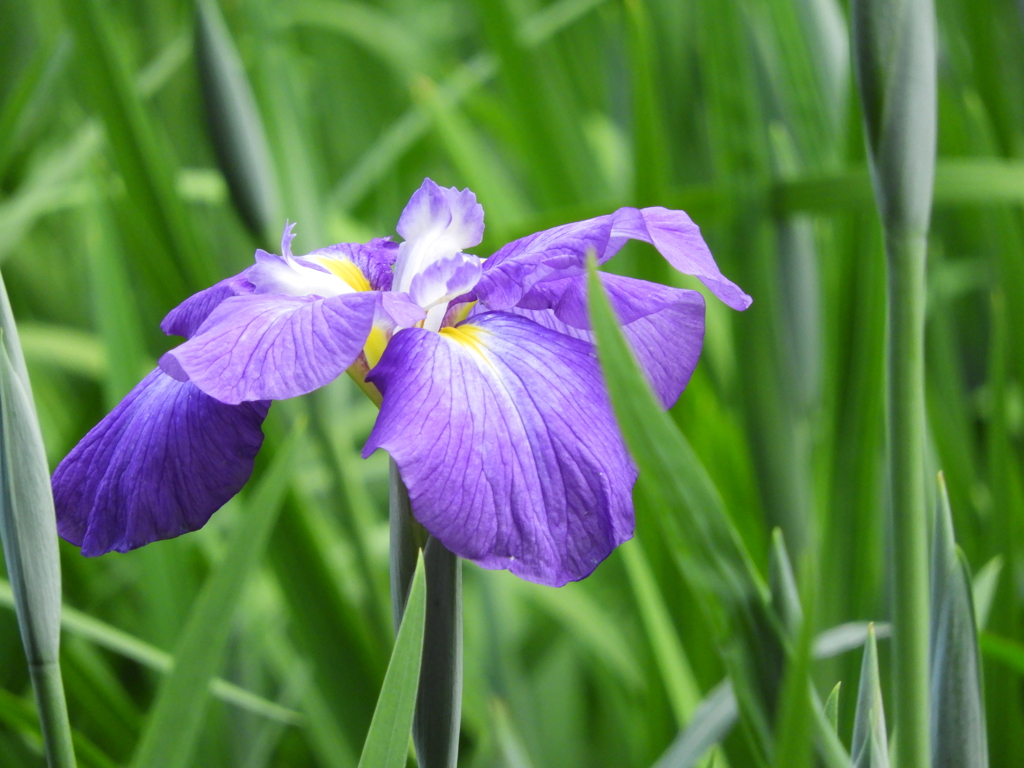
[492, 402]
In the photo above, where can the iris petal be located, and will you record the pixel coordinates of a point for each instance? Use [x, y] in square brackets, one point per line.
[664, 326]
[262, 347]
[561, 252]
[185, 319]
[164, 460]
[504, 435]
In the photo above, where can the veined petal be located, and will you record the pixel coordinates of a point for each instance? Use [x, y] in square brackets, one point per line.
[664, 326]
[273, 347]
[561, 252]
[505, 438]
[373, 260]
[679, 240]
[557, 252]
[185, 319]
[157, 466]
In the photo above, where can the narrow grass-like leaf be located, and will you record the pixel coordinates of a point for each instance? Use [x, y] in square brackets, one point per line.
[387, 743]
[958, 732]
[870, 742]
[377, 31]
[782, 582]
[846, 637]
[594, 627]
[711, 722]
[439, 701]
[141, 158]
[69, 349]
[896, 61]
[18, 715]
[403, 134]
[711, 553]
[513, 751]
[475, 161]
[114, 305]
[832, 707]
[794, 724]
[676, 673]
[28, 531]
[120, 642]
[176, 718]
[24, 102]
[236, 127]
[983, 589]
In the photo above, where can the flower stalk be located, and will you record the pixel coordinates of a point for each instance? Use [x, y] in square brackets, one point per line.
[29, 535]
[895, 49]
[439, 700]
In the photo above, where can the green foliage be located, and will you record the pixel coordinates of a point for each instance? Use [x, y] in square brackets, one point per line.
[147, 148]
[870, 747]
[387, 742]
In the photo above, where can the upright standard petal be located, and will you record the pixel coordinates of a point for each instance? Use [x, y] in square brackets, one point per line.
[263, 347]
[505, 438]
[164, 460]
[437, 223]
[443, 280]
[664, 326]
[561, 252]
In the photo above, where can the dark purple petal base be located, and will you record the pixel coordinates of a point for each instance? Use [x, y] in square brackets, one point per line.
[157, 466]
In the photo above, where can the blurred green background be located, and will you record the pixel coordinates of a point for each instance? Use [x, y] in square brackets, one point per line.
[114, 206]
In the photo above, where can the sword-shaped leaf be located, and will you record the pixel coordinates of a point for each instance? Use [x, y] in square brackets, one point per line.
[958, 731]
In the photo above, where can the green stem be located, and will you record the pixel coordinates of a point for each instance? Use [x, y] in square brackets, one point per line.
[906, 258]
[439, 701]
[53, 714]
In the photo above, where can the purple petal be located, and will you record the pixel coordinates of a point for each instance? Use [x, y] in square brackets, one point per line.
[374, 259]
[287, 236]
[664, 326]
[504, 435]
[561, 252]
[401, 310]
[157, 466]
[427, 211]
[262, 347]
[443, 280]
[185, 319]
[433, 211]
[679, 240]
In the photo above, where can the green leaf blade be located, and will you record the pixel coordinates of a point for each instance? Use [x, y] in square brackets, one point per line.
[387, 742]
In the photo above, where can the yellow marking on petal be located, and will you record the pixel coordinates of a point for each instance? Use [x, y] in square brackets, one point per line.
[463, 311]
[469, 336]
[375, 344]
[346, 270]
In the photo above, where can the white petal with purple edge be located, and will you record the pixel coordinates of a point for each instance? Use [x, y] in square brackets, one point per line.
[437, 223]
[261, 347]
[443, 280]
[505, 438]
[164, 460]
[283, 276]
